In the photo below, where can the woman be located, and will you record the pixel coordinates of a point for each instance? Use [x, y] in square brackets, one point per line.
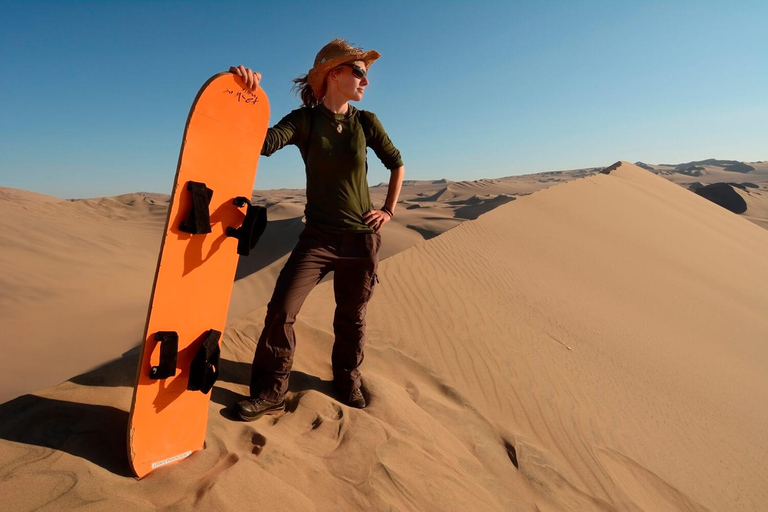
[342, 227]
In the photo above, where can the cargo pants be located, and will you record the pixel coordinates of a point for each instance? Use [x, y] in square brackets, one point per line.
[353, 257]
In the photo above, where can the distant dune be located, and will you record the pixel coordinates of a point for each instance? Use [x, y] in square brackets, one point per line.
[723, 195]
[562, 341]
[748, 180]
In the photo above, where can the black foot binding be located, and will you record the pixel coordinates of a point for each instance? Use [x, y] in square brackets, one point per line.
[198, 221]
[169, 348]
[253, 226]
[356, 399]
[204, 369]
[252, 409]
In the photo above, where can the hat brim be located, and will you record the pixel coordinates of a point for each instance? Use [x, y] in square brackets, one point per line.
[316, 75]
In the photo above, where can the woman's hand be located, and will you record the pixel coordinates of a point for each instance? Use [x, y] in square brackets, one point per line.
[250, 77]
[375, 219]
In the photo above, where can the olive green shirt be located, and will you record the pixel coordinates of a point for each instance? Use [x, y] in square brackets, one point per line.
[335, 161]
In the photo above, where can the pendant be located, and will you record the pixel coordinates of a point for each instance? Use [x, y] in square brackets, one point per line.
[338, 128]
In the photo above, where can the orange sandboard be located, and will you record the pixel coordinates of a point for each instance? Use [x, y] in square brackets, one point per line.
[220, 150]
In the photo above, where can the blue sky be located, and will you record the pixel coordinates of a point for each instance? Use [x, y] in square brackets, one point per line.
[94, 95]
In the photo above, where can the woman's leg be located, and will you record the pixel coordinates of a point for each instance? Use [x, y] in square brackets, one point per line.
[309, 262]
[353, 282]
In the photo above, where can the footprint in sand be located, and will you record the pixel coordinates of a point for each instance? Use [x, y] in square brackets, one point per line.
[258, 441]
[413, 391]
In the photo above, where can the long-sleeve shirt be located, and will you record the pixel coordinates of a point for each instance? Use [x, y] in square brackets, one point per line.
[333, 147]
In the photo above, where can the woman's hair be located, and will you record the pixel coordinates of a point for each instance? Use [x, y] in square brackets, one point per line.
[304, 91]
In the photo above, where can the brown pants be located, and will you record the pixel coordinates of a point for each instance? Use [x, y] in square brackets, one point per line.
[354, 258]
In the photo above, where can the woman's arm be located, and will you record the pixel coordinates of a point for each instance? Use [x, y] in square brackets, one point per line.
[279, 135]
[376, 219]
[393, 192]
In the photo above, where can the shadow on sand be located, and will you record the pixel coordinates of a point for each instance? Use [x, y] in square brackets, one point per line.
[96, 433]
[279, 239]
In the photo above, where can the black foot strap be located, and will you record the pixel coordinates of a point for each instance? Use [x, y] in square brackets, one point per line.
[198, 220]
[253, 227]
[169, 348]
[205, 366]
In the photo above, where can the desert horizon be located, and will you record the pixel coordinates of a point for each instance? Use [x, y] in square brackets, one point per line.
[591, 339]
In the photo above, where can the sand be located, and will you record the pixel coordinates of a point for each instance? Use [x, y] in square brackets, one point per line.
[572, 341]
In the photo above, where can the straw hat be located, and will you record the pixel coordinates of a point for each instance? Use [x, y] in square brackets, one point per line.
[331, 55]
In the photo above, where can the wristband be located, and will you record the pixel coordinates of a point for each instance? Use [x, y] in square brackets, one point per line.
[388, 212]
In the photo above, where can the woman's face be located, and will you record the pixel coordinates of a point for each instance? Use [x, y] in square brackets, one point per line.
[349, 82]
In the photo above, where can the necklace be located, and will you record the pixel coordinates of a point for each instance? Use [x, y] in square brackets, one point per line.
[333, 117]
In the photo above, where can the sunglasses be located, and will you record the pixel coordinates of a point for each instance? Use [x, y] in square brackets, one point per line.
[357, 71]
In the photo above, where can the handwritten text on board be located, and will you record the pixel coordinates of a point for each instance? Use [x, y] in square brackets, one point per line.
[243, 96]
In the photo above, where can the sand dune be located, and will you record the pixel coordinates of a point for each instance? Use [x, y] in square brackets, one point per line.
[76, 281]
[612, 329]
[598, 345]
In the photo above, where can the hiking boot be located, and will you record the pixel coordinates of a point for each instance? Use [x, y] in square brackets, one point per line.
[356, 399]
[252, 409]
